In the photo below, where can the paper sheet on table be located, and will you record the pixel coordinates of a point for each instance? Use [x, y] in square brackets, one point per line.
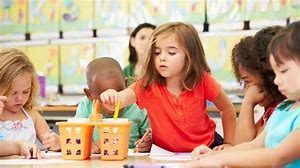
[159, 153]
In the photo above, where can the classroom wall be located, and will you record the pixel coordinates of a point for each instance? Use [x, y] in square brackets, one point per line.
[64, 35]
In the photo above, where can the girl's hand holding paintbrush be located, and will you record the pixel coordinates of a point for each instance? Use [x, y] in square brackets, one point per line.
[144, 144]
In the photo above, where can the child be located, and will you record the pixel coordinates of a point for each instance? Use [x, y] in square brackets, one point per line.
[16, 147]
[250, 65]
[102, 74]
[174, 88]
[137, 46]
[19, 120]
[278, 145]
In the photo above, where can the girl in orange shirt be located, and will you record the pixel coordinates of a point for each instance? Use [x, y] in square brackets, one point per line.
[174, 87]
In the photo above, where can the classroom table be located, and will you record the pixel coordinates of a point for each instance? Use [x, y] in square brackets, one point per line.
[93, 162]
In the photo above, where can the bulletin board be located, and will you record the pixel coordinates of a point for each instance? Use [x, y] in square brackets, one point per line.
[111, 14]
[190, 11]
[13, 16]
[218, 54]
[266, 10]
[294, 10]
[155, 12]
[43, 16]
[75, 59]
[76, 15]
[225, 11]
[45, 61]
[116, 48]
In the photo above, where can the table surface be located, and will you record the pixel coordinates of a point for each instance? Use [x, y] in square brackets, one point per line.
[94, 161]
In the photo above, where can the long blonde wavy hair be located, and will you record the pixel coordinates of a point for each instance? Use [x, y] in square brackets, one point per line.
[14, 62]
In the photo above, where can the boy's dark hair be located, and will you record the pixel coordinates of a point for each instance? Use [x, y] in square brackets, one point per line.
[132, 52]
[252, 54]
[286, 44]
[105, 67]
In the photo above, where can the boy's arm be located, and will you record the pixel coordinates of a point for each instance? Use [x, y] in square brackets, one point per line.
[227, 112]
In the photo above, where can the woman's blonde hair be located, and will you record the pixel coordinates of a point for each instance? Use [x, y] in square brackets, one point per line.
[187, 37]
[14, 62]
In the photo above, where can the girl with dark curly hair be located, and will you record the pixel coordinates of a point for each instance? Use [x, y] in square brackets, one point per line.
[278, 144]
[249, 61]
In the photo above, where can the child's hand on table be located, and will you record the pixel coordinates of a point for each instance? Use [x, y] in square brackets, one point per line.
[201, 151]
[209, 161]
[51, 141]
[222, 147]
[30, 151]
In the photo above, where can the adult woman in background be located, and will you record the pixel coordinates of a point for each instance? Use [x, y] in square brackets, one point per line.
[137, 46]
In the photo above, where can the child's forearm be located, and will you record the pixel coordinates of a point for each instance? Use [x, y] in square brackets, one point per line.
[241, 147]
[252, 158]
[258, 142]
[9, 148]
[229, 124]
[127, 97]
[245, 129]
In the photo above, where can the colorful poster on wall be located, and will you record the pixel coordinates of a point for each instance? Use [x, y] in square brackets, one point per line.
[74, 59]
[294, 10]
[13, 16]
[190, 11]
[266, 10]
[225, 11]
[45, 60]
[43, 16]
[116, 48]
[76, 15]
[111, 14]
[218, 52]
[151, 11]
